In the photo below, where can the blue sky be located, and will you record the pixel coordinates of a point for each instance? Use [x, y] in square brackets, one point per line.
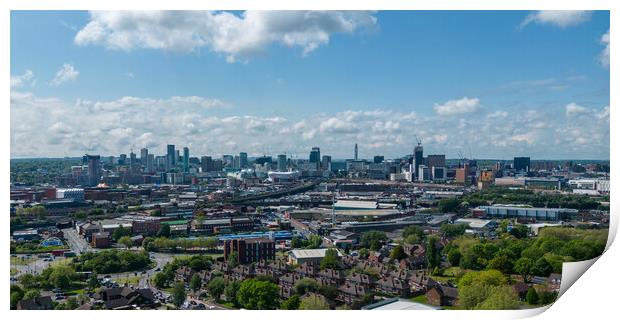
[501, 83]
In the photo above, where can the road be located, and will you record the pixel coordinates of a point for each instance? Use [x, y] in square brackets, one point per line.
[76, 242]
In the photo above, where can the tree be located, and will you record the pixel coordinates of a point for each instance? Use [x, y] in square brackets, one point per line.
[500, 298]
[331, 259]
[258, 295]
[32, 294]
[364, 253]
[448, 205]
[216, 287]
[432, 254]
[373, 240]
[28, 281]
[520, 231]
[126, 241]
[296, 242]
[313, 302]
[523, 266]
[413, 231]
[292, 303]
[476, 287]
[178, 294]
[233, 259]
[195, 283]
[398, 253]
[454, 256]
[501, 262]
[93, 280]
[62, 276]
[164, 231]
[231, 291]
[146, 243]
[306, 285]
[453, 230]
[541, 267]
[532, 296]
[160, 280]
[314, 241]
[120, 232]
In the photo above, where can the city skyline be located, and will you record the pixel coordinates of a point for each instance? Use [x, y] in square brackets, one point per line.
[295, 83]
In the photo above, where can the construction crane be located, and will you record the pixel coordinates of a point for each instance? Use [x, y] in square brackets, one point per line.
[418, 140]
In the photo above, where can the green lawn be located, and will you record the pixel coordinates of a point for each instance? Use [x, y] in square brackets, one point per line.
[14, 271]
[21, 261]
[134, 280]
[420, 299]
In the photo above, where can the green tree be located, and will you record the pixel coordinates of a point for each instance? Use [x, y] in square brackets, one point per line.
[178, 294]
[541, 267]
[120, 232]
[62, 276]
[364, 253]
[258, 295]
[452, 230]
[314, 241]
[373, 239]
[164, 231]
[292, 303]
[28, 281]
[216, 287]
[305, 285]
[233, 259]
[160, 280]
[231, 291]
[296, 242]
[331, 259]
[475, 287]
[398, 253]
[32, 294]
[126, 241]
[195, 283]
[500, 298]
[523, 266]
[448, 205]
[432, 254]
[454, 256]
[93, 280]
[532, 296]
[313, 302]
[413, 231]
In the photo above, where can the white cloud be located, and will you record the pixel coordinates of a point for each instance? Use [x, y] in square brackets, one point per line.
[573, 109]
[558, 18]
[604, 56]
[455, 107]
[234, 35]
[604, 113]
[66, 74]
[497, 115]
[26, 78]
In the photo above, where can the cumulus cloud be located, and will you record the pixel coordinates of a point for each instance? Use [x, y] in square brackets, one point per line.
[112, 127]
[26, 78]
[233, 35]
[573, 109]
[456, 107]
[558, 18]
[66, 74]
[604, 56]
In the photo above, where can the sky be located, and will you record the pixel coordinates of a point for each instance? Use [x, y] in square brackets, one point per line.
[487, 84]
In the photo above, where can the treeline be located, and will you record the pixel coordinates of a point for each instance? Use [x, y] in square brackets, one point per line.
[529, 257]
[508, 196]
[111, 261]
[179, 244]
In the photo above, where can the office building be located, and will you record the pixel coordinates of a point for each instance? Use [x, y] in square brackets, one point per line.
[439, 173]
[355, 153]
[186, 159]
[144, 155]
[378, 159]
[418, 159]
[132, 162]
[326, 163]
[282, 163]
[206, 164]
[424, 173]
[462, 174]
[243, 160]
[250, 250]
[315, 157]
[436, 160]
[236, 162]
[170, 154]
[227, 161]
[94, 169]
[509, 211]
[521, 164]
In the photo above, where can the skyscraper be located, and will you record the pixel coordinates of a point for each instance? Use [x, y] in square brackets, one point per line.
[186, 159]
[94, 169]
[150, 163]
[521, 164]
[144, 155]
[282, 163]
[315, 156]
[418, 158]
[206, 163]
[355, 153]
[243, 160]
[132, 162]
[170, 154]
[326, 163]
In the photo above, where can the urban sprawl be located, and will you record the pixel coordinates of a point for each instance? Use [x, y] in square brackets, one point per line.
[419, 232]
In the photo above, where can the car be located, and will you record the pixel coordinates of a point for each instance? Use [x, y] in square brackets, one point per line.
[13, 279]
[192, 302]
[158, 269]
[107, 276]
[200, 306]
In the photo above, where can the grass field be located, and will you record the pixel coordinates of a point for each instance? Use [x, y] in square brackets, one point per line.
[14, 271]
[21, 261]
[134, 280]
